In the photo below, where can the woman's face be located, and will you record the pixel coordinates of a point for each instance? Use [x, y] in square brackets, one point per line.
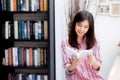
[81, 28]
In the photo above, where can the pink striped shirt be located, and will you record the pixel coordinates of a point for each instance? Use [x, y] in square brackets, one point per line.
[84, 71]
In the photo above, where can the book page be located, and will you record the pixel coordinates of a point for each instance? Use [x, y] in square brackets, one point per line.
[70, 52]
[82, 53]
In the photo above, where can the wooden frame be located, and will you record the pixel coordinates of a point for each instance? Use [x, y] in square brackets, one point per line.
[99, 1]
[103, 9]
[115, 8]
[114, 0]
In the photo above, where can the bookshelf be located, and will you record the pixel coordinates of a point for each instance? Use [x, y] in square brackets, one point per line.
[28, 39]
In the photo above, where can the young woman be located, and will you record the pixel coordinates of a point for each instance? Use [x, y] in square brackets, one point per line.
[82, 37]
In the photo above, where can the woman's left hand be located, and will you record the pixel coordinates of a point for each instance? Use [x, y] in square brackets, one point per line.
[93, 62]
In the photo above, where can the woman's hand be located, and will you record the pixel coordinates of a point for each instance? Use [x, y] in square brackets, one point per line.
[74, 63]
[93, 62]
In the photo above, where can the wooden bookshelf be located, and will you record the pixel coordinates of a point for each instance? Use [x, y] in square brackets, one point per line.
[33, 31]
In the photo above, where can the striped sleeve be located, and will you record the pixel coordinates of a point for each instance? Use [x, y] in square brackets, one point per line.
[97, 54]
[66, 60]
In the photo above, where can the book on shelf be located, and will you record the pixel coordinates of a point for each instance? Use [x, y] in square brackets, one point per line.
[41, 5]
[45, 29]
[24, 56]
[24, 5]
[29, 76]
[81, 53]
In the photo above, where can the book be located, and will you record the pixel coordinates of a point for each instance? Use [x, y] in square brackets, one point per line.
[81, 53]
[45, 23]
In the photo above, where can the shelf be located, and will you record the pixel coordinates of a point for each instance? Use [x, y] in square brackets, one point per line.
[34, 70]
[31, 16]
[6, 15]
[25, 43]
[31, 44]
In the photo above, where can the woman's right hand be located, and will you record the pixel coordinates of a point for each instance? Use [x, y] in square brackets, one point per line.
[74, 63]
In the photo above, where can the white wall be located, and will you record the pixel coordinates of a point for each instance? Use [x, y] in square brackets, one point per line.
[60, 33]
[107, 30]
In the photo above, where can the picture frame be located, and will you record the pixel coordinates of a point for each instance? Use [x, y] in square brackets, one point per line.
[103, 9]
[100, 1]
[115, 8]
[114, 0]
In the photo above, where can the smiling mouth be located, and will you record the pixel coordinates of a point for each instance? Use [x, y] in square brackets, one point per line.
[80, 32]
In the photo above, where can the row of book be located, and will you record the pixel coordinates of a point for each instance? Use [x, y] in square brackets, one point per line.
[20, 76]
[27, 57]
[24, 5]
[26, 30]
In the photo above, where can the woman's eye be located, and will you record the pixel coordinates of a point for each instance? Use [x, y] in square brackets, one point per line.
[86, 26]
[79, 25]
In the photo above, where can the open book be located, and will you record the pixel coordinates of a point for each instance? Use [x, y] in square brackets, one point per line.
[82, 53]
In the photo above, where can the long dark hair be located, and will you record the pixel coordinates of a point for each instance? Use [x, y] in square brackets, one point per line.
[90, 35]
